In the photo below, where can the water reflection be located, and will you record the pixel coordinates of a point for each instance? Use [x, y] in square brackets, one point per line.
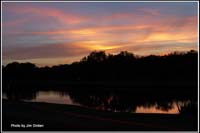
[157, 109]
[20, 93]
[53, 97]
[115, 100]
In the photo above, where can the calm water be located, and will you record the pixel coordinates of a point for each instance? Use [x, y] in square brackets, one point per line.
[103, 101]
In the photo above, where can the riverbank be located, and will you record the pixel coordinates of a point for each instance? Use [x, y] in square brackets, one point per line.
[29, 116]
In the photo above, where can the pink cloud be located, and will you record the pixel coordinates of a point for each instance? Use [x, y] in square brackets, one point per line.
[14, 23]
[44, 51]
[149, 11]
[43, 12]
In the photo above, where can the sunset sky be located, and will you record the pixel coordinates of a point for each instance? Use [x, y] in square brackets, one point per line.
[60, 33]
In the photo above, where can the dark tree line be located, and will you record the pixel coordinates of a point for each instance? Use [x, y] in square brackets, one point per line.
[125, 66]
[176, 72]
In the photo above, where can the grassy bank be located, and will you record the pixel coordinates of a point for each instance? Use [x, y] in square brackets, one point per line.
[67, 117]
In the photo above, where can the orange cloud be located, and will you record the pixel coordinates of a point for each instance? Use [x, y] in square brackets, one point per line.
[159, 37]
[165, 25]
[139, 37]
[97, 45]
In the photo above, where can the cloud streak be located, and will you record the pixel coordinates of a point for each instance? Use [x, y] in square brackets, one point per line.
[42, 31]
[41, 12]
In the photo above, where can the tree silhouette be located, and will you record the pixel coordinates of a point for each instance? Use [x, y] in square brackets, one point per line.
[95, 56]
[122, 67]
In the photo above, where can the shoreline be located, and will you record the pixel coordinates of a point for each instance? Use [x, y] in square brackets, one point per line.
[59, 117]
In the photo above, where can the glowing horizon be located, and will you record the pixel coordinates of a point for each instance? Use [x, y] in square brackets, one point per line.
[61, 33]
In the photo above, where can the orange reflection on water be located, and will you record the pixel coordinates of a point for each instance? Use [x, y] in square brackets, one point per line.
[153, 109]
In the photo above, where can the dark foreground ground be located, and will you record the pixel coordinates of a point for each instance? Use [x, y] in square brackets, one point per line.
[44, 116]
